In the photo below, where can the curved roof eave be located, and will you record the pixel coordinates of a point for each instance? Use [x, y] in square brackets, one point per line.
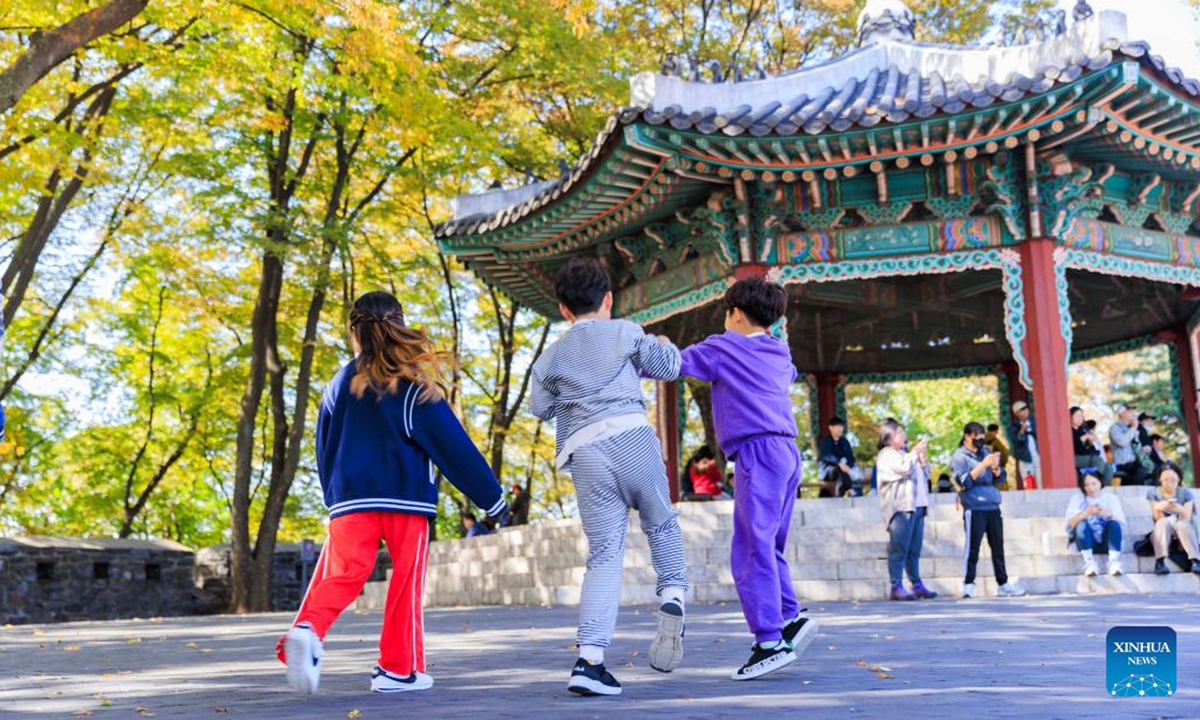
[887, 82]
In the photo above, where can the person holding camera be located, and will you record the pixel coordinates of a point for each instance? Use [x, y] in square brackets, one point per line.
[903, 476]
[1086, 452]
[978, 473]
[1172, 506]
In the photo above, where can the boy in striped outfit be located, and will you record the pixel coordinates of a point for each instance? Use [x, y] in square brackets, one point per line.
[750, 372]
[589, 382]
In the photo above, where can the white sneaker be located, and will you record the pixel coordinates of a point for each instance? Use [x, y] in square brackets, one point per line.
[1114, 565]
[969, 590]
[1089, 564]
[1011, 589]
[383, 681]
[304, 653]
[666, 652]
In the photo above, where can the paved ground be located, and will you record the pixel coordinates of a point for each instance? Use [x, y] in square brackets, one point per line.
[1038, 658]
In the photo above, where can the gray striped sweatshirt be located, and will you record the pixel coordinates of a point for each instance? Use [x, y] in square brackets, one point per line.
[594, 371]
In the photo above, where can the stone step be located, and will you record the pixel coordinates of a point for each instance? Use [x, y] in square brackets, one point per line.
[1049, 553]
[819, 590]
[837, 546]
[871, 571]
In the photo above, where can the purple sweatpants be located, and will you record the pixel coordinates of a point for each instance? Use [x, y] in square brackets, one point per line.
[767, 473]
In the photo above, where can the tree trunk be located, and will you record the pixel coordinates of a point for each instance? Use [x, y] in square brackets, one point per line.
[242, 565]
[49, 49]
[702, 394]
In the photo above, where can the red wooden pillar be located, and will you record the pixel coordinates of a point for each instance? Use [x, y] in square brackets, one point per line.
[1046, 352]
[827, 385]
[1182, 347]
[667, 424]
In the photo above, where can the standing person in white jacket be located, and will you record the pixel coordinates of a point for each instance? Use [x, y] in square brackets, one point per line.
[1096, 518]
[904, 499]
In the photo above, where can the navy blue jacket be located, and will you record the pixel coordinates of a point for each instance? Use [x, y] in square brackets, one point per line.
[1019, 441]
[829, 451]
[977, 493]
[380, 453]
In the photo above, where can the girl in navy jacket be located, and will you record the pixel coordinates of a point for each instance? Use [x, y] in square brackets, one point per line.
[383, 432]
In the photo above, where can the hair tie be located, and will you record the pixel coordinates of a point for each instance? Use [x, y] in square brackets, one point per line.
[395, 317]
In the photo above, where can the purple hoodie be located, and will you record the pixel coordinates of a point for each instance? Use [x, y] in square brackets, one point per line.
[750, 378]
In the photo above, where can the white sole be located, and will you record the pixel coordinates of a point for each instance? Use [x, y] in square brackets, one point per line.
[804, 638]
[302, 675]
[587, 686]
[766, 667]
[666, 652]
[416, 686]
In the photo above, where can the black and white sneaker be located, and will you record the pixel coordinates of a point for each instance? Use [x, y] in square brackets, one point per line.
[383, 681]
[666, 652]
[799, 632]
[588, 679]
[765, 660]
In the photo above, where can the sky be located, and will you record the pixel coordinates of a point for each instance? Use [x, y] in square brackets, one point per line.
[1170, 26]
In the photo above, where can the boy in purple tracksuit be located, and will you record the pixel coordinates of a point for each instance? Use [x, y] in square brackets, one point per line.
[750, 372]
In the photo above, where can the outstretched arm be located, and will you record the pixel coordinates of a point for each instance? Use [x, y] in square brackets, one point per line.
[700, 361]
[541, 400]
[655, 359]
[433, 426]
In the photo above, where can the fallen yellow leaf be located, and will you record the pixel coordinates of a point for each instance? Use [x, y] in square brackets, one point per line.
[354, 713]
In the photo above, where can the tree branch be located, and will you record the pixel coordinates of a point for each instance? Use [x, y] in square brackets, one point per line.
[47, 50]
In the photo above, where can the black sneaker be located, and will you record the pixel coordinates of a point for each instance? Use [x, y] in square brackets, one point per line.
[765, 660]
[1160, 567]
[800, 632]
[588, 679]
[1196, 566]
[666, 652]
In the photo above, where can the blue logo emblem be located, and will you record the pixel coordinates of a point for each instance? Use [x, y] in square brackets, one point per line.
[1141, 661]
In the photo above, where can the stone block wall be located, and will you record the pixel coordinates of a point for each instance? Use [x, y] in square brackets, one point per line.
[62, 579]
[287, 573]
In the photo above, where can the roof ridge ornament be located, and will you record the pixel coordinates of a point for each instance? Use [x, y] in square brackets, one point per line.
[883, 20]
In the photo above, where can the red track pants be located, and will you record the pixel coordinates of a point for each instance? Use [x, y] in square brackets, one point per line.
[345, 564]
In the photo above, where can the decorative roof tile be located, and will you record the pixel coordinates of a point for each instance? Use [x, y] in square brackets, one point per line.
[885, 81]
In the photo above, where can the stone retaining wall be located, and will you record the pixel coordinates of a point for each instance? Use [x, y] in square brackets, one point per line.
[838, 550]
[59, 579]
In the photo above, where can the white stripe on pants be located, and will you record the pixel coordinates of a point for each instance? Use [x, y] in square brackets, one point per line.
[611, 476]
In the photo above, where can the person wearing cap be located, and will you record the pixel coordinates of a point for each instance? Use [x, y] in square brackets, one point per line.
[1146, 430]
[1125, 446]
[1086, 454]
[1023, 436]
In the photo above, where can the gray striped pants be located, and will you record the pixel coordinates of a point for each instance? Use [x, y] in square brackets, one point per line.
[611, 476]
